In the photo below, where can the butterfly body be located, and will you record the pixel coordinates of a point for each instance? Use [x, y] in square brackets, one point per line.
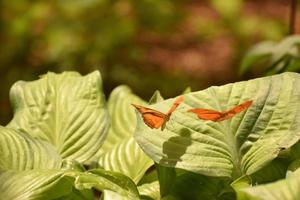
[156, 119]
[217, 116]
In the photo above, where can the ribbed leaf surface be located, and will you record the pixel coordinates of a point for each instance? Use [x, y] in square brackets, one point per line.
[120, 152]
[123, 119]
[67, 109]
[126, 157]
[48, 184]
[240, 145]
[19, 151]
[150, 190]
[63, 184]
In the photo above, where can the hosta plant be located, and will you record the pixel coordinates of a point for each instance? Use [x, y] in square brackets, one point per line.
[66, 141]
[271, 57]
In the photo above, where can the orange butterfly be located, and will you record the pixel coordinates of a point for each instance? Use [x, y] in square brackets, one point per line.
[220, 116]
[156, 119]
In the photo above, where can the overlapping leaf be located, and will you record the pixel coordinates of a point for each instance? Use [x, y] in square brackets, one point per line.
[237, 146]
[120, 152]
[279, 57]
[287, 189]
[150, 190]
[107, 180]
[19, 151]
[63, 184]
[123, 120]
[37, 184]
[67, 109]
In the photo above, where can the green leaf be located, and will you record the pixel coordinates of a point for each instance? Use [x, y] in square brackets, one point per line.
[120, 152]
[107, 180]
[281, 56]
[258, 53]
[63, 184]
[166, 175]
[272, 172]
[156, 97]
[126, 157]
[198, 187]
[122, 114]
[38, 184]
[187, 90]
[238, 146]
[19, 151]
[288, 189]
[150, 190]
[67, 110]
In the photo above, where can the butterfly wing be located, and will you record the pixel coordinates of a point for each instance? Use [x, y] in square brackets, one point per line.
[238, 109]
[207, 114]
[220, 116]
[176, 103]
[152, 118]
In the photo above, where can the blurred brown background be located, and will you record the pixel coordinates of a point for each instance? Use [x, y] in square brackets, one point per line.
[146, 44]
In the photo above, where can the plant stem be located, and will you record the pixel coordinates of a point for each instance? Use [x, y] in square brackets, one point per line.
[293, 11]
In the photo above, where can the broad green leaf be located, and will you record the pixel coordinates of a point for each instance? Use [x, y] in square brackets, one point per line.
[288, 46]
[238, 146]
[149, 177]
[198, 187]
[274, 171]
[120, 152]
[281, 56]
[122, 113]
[287, 189]
[39, 184]
[63, 184]
[19, 151]
[259, 53]
[107, 180]
[150, 190]
[166, 175]
[67, 110]
[126, 158]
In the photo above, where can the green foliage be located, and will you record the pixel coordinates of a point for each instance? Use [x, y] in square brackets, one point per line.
[271, 58]
[234, 147]
[120, 152]
[56, 108]
[287, 189]
[61, 124]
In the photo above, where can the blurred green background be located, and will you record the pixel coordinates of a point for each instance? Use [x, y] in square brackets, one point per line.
[146, 44]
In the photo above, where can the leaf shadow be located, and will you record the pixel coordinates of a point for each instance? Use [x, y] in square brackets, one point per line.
[175, 147]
